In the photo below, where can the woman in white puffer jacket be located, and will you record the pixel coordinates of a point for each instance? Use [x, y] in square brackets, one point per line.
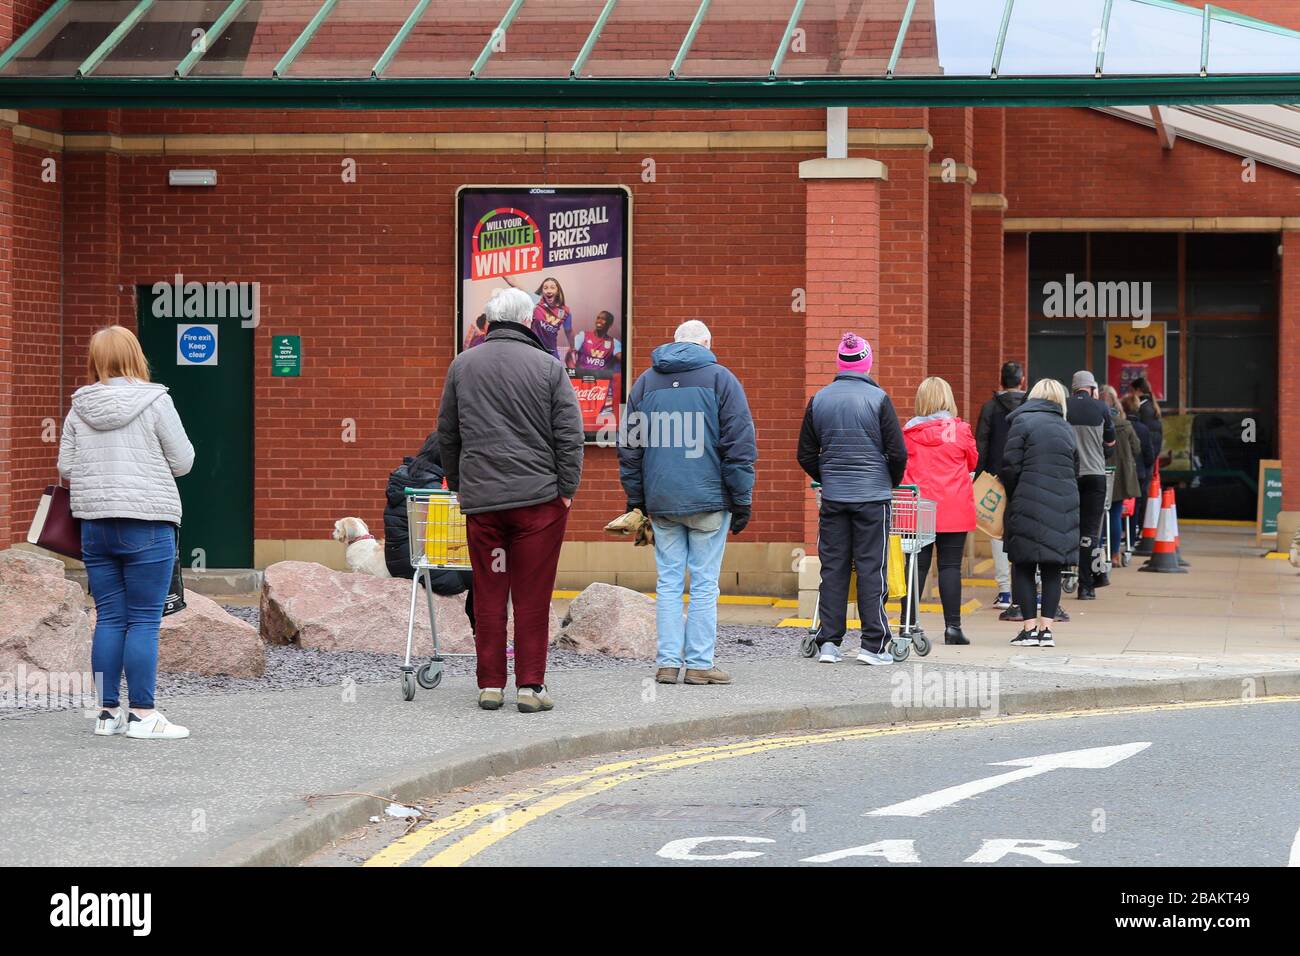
[123, 447]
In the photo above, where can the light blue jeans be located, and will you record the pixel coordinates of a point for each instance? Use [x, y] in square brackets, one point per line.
[681, 546]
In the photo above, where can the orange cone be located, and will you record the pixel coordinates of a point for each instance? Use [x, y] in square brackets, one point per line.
[1164, 555]
[1178, 540]
[1150, 519]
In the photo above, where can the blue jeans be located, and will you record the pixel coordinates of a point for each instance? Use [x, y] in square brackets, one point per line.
[129, 566]
[1117, 527]
[679, 548]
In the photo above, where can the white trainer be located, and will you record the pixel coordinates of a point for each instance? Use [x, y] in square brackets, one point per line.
[874, 659]
[830, 654]
[106, 725]
[154, 727]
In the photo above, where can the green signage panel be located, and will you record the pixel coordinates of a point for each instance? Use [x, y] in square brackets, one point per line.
[286, 355]
[1270, 495]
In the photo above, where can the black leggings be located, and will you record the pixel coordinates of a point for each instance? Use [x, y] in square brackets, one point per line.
[1025, 594]
[951, 546]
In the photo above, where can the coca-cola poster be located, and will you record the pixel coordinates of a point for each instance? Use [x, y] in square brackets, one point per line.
[567, 247]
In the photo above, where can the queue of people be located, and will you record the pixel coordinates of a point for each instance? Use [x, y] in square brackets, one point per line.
[510, 442]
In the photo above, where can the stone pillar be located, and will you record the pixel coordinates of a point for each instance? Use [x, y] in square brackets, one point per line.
[842, 284]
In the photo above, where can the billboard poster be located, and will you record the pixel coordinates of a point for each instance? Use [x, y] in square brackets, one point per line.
[1136, 352]
[568, 248]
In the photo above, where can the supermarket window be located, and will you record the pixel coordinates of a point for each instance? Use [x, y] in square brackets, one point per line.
[1232, 364]
[1232, 274]
[1053, 257]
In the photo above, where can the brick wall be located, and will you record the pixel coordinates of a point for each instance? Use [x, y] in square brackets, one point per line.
[949, 346]
[363, 272]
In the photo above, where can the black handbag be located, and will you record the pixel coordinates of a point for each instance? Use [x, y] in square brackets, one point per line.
[176, 592]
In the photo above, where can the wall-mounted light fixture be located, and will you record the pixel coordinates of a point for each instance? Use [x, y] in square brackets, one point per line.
[191, 177]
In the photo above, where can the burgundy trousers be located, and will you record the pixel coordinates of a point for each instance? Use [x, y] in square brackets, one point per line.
[514, 554]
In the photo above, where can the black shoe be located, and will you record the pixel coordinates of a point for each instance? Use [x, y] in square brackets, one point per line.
[1101, 581]
[1062, 616]
[1045, 638]
[1026, 639]
[1087, 594]
[1012, 613]
[953, 635]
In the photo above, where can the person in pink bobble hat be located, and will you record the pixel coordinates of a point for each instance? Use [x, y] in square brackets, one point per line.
[852, 443]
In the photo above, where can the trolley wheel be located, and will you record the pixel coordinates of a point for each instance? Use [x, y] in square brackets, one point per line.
[1070, 584]
[808, 646]
[430, 675]
[899, 650]
[408, 685]
[922, 644]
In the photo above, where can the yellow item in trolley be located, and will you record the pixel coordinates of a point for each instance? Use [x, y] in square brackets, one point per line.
[897, 568]
[444, 539]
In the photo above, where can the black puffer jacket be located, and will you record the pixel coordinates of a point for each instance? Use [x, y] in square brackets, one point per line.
[1040, 469]
[422, 471]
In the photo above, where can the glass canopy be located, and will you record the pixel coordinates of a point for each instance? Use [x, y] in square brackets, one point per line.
[750, 43]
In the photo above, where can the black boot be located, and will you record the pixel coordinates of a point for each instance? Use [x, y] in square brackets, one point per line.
[953, 635]
[1087, 594]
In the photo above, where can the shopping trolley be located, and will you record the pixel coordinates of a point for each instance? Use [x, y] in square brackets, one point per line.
[912, 521]
[1070, 574]
[437, 542]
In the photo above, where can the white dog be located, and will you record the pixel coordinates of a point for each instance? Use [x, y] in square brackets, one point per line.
[364, 554]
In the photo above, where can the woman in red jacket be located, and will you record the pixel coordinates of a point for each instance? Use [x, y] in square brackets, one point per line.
[941, 455]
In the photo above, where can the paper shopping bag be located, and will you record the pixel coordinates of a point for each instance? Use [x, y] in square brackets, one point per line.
[990, 504]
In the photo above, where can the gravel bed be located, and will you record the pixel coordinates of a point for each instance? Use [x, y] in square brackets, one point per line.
[289, 668]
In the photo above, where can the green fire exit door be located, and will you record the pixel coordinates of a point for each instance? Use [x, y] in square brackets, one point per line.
[207, 363]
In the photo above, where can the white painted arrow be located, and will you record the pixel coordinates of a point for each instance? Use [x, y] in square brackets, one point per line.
[1096, 758]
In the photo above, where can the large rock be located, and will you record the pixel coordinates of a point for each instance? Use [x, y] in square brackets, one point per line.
[1295, 549]
[309, 605]
[205, 639]
[610, 620]
[43, 619]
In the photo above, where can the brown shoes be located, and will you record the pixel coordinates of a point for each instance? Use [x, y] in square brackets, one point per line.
[667, 675]
[710, 676]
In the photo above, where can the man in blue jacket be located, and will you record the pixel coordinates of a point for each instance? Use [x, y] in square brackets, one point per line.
[686, 458]
[852, 443]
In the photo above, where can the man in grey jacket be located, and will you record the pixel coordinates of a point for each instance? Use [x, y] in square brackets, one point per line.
[852, 443]
[511, 436]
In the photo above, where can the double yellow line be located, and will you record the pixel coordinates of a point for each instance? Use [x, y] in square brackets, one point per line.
[499, 818]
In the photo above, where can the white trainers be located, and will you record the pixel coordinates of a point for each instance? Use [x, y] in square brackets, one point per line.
[154, 727]
[106, 725]
[870, 657]
[830, 654]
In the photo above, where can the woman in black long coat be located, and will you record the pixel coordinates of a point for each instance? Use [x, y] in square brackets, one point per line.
[1040, 469]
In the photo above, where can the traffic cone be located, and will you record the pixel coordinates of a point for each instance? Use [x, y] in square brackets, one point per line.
[1150, 519]
[1164, 555]
[1178, 540]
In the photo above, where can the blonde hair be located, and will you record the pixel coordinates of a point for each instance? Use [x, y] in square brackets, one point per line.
[115, 353]
[935, 395]
[1111, 398]
[1052, 390]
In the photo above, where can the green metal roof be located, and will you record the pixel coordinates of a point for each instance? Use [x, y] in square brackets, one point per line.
[644, 53]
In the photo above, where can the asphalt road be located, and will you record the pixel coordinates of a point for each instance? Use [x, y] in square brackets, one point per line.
[1179, 785]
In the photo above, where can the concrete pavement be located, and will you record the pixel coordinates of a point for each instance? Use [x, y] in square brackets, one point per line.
[238, 791]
